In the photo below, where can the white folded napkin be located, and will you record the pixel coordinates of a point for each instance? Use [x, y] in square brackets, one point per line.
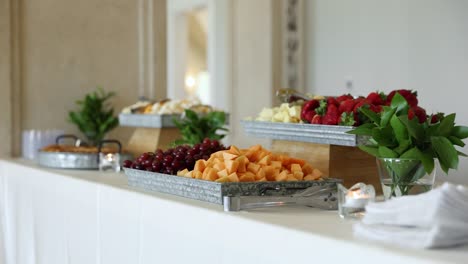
[438, 218]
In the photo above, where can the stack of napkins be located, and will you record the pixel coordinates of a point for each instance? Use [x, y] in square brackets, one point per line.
[438, 218]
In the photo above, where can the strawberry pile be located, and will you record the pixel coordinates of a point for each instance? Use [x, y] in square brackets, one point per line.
[344, 110]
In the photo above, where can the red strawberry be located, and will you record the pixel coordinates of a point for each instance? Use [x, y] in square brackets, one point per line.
[332, 116]
[332, 101]
[436, 118]
[317, 119]
[411, 97]
[375, 108]
[309, 107]
[375, 98]
[308, 116]
[347, 106]
[343, 98]
[359, 104]
[347, 119]
[419, 112]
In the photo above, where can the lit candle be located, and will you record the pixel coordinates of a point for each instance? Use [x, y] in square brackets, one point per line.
[110, 157]
[356, 199]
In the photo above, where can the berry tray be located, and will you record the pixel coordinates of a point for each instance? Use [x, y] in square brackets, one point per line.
[321, 134]
[214, 192]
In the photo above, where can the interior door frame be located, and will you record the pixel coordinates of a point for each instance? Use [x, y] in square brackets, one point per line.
[218, 52]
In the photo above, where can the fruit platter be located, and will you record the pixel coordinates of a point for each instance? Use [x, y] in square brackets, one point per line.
[302, 132]
[323, 120]
[160, 114]
[159, 123]
[315, 128]
[209, 171]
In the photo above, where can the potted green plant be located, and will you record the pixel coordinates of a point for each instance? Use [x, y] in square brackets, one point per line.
[407, 143]
[195, 128]
[95, 117]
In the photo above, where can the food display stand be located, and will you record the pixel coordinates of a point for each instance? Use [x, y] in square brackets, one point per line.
[329, 148]
[151, 131]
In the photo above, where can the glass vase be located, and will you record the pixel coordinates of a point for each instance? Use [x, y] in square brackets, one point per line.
[401, 177]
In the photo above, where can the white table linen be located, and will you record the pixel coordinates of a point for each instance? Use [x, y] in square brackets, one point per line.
[55, 216]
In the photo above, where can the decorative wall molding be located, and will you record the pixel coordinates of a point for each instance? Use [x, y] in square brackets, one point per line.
[16, 64]
[293, 42]
[219, 53]
[152, 72]
[5, 78]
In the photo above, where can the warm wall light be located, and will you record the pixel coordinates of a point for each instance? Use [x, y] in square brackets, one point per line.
[190, 81]
[190, 85]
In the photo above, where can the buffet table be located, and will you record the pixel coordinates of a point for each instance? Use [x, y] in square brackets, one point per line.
[64, 216]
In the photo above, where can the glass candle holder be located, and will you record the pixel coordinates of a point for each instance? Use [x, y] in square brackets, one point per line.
[352, 201]
[109, 162]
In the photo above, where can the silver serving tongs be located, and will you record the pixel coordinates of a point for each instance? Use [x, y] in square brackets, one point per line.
[323, 197]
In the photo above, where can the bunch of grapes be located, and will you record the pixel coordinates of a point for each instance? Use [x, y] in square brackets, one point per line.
[173, 160]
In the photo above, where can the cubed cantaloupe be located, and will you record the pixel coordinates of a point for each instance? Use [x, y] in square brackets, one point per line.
[253, 167]
[234, 150]
[243, 161]
[231, 165]
[199, 165]
[291, 178]
[197, 174]
[282, 176]
[247, 177]
[182, 172]
[223, 173]
[229, 156]
[276, 164]
[219, 166]
[299, 175]
[252, 164]
[233, 177]
[222, 179]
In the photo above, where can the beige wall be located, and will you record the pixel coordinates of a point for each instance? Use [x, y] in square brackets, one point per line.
[66, 48]
[252, 65]
[5, 79]
[69, 48]
[385, 45]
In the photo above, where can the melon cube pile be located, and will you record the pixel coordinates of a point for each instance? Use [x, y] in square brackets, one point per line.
[251, 165]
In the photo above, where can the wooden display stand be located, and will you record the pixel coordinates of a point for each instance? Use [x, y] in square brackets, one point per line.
[150, 139]
[347, 163]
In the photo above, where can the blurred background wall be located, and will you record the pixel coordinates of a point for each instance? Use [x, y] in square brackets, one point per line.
[52, 52]
[385, 45]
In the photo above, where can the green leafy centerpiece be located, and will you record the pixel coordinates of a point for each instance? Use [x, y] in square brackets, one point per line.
[195, 128]
[407, 142]
[95, 117]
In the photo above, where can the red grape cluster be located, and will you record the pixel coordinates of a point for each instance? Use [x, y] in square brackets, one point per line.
[175, 159]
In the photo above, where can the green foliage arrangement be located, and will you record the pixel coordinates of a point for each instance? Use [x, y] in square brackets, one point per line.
[394, 134]
[194, 128]
[95, 117]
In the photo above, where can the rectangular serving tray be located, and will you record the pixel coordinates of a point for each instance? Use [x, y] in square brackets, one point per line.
[151, 120]
[213, 192]
[148, 120]
[321, 134]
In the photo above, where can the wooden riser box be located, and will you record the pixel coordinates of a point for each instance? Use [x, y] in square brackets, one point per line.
[347, 163]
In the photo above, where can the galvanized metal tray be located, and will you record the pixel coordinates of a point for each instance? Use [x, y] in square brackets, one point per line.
[151, 120]
[148, 120]
[71, 160]
[322, 134]
[213, 192]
